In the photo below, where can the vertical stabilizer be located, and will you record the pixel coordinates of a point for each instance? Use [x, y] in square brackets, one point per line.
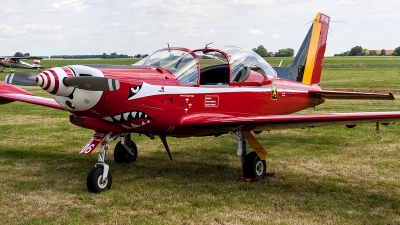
[307, 65]
[36, 63]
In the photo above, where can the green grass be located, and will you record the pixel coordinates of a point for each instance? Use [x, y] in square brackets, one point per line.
[362, 79]
[327, 175]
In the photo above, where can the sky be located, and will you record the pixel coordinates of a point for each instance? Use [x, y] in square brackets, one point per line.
[85, 27]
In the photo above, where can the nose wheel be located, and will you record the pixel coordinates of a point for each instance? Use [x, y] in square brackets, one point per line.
[95, 182]
[99, 178]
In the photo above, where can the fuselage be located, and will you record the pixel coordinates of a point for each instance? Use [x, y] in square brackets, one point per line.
[156, 97]
[18, 64]
[167, 102]
[152, 100]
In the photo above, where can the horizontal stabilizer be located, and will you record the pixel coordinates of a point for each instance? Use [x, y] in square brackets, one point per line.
[25, 79]
[350, 95]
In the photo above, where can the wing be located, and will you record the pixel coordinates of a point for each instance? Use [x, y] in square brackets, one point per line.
[25, 57]
[10, 93]
[215, 121]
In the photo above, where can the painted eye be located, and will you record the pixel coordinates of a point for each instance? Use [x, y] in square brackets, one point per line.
[133, 91]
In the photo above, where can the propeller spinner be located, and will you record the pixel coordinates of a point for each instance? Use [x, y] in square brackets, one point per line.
[61, 81]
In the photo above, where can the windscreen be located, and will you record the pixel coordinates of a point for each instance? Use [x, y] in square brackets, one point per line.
[181, 63]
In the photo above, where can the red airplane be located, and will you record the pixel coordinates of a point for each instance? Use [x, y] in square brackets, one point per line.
[180, 93]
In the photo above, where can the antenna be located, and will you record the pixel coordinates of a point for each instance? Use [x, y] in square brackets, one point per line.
[169, 49]
[208, 44]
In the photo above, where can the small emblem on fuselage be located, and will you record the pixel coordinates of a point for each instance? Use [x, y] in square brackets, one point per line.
[274, 92]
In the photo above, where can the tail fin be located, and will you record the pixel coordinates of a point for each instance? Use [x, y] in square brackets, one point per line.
[307, 65]
[36, 63]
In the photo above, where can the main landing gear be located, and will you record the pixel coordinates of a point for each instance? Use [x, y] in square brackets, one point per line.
[253, 164]
[99, 178]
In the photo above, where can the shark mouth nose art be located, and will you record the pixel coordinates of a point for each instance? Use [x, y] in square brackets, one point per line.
[136, 119]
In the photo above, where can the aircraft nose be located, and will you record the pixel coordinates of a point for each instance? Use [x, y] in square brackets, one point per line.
[52, 81]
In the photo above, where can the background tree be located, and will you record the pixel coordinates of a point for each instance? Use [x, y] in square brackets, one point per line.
[113, 55]
[383, 52]
[104, 56]
[18, 54]
[355, 51]
[346, 53]
[285, 52]
[27, 55]
[397, 51]
[145, 55]
[138, 56]
[364, 52]
[261, 51]
[372, 53]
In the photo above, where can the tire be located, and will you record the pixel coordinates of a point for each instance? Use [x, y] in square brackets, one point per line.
[253, 166]
[121, 155]
[94, 178]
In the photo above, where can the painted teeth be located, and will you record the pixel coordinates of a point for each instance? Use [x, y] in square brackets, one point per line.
[134, 125]
[117, 117]
[127, 116]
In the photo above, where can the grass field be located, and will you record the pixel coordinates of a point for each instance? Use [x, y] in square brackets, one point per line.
[327, 175]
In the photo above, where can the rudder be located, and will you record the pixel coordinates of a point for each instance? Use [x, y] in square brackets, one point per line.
[307, 65]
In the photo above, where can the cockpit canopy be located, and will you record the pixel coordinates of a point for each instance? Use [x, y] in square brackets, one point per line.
[225, 65]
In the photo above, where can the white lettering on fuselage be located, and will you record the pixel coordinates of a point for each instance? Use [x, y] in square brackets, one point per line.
[211, 101]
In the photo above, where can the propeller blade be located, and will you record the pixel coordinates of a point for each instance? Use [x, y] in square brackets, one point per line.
[92, 83]
[25, 79]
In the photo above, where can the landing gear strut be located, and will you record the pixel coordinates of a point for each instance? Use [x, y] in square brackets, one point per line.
[253, 164]
[99, 178]
[125, 151]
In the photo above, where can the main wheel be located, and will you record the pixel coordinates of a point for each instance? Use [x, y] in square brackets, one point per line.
[253, 166]
[121, 155]
[94, 180]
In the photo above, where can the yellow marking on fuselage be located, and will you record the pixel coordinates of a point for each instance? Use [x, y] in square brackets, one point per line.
[274, 92]
[312, 50]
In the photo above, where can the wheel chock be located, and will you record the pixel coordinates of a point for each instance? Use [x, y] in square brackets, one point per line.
[267, 176]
